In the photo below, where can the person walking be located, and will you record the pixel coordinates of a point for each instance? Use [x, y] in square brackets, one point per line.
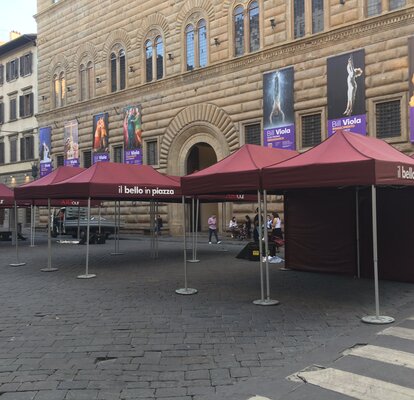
[212, 229]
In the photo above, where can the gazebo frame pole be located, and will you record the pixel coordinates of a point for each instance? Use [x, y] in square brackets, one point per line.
[186, 290]
[194, 225]
[17, 263]
[377, 318]
[31, 225]
[196, 230]
[156, 239]
[87, 275]
[259, 201]
[78, 222]
[49, 242]
[268, 301]
[117, 217]
[34, 224]
[357, 232]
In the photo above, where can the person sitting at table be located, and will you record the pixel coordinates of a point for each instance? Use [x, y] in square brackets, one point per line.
[233, 226]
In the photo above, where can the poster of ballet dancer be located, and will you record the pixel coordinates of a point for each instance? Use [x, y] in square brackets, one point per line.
[100, 146]
[132, 134]
[346, 93]
[278, 114]
[71, 146]
[45, 139]
[411, 84]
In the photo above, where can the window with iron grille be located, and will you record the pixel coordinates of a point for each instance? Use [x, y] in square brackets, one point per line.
[388, 119]
[152, 152]
[2, 158]
[60, 160]
[27, 148]
[252, 134]
[311, 129]
[119, 154]
[87, 159]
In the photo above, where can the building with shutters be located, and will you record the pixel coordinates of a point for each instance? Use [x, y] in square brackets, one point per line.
[18, 106]
[211, 75]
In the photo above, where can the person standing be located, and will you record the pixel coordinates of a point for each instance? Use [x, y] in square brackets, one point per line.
[248, 226]
[212, 229]
[158, 225]
[277, 226]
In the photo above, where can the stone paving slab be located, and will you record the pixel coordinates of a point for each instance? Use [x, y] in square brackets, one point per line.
[126, 334]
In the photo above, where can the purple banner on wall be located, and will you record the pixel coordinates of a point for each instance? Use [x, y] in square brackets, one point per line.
[45, 139]
[346, 93]
[100, 138]
[411, 84]
[278, 113]
[281, 138]
[71, 146]
[355, 124]
[133, 135]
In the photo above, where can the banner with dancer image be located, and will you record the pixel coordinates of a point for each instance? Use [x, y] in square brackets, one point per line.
[71, 146]
[100, 147]
[346, 93]
[45, 140]
[278, 113]
[133, 135]
[411, 84]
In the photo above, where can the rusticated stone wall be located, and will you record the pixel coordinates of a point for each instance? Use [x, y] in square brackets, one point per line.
[211, 104]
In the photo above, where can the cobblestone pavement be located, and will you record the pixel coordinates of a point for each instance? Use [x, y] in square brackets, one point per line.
[127, 335]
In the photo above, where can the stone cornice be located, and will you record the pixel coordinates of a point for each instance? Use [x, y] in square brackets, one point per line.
[260, 59]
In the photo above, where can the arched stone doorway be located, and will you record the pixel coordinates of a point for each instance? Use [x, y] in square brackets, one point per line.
[201, 156]
[204, 127]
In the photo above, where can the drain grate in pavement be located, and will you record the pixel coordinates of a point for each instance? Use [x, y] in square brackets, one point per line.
[99, 360]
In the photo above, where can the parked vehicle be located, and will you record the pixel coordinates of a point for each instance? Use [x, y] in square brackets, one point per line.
[73, 221]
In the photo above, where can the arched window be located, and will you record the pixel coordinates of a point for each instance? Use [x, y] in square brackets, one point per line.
[118, 70]
[148, 60]
[308, 17]
[154, 59]
[59, 89]
[254, 33]
[196, 45]
[160, 57]
[202, 43]
[189, 40]
[246, 29]
[238, 31]
[86, 81]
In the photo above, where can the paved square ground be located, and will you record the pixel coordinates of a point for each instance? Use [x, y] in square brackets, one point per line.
[127, 335]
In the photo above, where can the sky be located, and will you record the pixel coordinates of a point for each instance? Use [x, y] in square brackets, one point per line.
[17, 15]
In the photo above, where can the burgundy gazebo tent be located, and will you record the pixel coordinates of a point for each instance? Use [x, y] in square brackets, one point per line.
[38, 192]
[115, 181]
[239, 172]
[321, 228]
[6, 196]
